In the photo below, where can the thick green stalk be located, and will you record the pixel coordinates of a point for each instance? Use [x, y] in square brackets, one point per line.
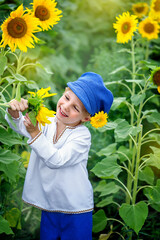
[129, 179]
[137, 166]
[19, 63]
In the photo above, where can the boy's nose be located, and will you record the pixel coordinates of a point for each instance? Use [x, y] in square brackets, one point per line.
[66, 106]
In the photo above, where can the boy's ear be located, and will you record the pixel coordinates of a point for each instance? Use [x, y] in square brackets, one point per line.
[86, 119]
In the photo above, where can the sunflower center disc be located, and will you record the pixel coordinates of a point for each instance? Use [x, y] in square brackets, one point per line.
[157, 6]
[139, 9]
[126, 27]
[17, 27]
[149, 28]
[42, 13]
[156, 78]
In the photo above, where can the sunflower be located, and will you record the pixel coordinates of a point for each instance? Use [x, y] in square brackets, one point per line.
[99, 119]
[18, 30]
[125, 26]
[149, 28]
[155, 10]
[46, 12]
[140, 9]
[37, 110]
[43, 115]
[155, 77]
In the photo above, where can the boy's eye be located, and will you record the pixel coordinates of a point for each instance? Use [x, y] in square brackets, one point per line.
[76, 108]
[67, 97]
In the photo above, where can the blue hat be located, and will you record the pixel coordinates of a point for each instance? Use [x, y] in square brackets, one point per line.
[90, 89]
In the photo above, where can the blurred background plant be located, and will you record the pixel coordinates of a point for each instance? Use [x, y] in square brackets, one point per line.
[84, 40]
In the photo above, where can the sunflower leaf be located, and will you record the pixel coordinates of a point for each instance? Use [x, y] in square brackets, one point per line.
[134, 215]
[32, 116]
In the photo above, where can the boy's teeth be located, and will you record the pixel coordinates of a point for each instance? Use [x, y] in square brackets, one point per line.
[63, 113]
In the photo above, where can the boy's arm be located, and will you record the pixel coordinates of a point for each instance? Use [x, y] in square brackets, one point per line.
[74, 150]
[15, 110]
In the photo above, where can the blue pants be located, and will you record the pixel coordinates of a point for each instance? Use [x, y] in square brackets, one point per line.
[62, 226]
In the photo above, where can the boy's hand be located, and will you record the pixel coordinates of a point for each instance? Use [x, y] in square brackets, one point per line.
[16, 106]
[33, 130]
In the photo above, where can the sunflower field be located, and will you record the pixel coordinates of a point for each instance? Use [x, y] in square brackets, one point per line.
[46, 43]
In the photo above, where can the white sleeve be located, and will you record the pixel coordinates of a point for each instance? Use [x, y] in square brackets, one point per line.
[72, 152]
[19, 125]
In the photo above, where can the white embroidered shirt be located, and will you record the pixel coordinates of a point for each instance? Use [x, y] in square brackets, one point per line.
[57, 176]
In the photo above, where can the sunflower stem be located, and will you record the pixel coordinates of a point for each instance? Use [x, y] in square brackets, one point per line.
[129, 179]
[147, 50]
[19, 63]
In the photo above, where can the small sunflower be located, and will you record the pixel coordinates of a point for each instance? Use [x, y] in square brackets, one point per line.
[149, 28]
[125, 27]
[99, 119]
[140, 9]
[37, 110]
[155, 77]
[18, 30]
[47, 13]
[155, 10]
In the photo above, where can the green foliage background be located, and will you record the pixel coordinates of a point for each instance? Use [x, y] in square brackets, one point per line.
[84, 40]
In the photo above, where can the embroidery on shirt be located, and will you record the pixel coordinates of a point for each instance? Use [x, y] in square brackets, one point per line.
[34, 139]
[60, 211]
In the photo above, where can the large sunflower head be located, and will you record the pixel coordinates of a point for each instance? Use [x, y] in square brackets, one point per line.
[125, 27]
[155, 77]
[47, 13]
[155, 10]
[99, 119]
[18, 30]
[140, 9]
[149, 28]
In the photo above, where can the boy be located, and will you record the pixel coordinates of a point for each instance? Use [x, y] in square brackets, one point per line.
[57, 178]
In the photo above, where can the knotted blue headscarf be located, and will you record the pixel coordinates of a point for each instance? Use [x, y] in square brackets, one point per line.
[92, 92]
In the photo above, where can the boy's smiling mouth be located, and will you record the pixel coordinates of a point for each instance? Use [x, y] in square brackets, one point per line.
[62, 113]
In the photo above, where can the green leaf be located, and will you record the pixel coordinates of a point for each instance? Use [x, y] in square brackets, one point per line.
[19, 77]
[11, 170]
[117, 102]
[4, 226]
[33, 101]
[8, 138]
[18, 92]
[32, 116]
[153, 194]
[7, 157]
[107, 150]
[154, 159]
[109, 126]
[122, 68]
[14, 218]
[138, 98]
[107, 168]
[105, 202]
[134, 215]
[106, 188]
[3, 63]
[99, 221]
[147, 175]
[154, 118]
[122, 151]
[122, 130]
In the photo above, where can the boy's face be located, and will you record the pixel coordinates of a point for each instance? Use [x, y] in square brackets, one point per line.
[70, 110]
